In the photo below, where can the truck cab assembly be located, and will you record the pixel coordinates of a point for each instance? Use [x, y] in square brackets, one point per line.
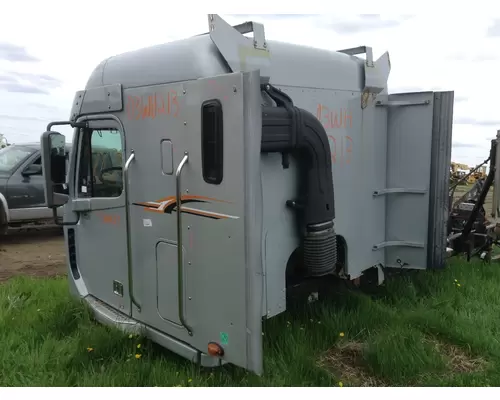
[244, 166]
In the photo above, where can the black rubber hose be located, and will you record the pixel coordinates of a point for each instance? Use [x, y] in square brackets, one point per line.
[311, 145]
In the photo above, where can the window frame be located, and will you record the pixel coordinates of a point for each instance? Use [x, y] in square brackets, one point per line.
[219, 149]
[94, 126]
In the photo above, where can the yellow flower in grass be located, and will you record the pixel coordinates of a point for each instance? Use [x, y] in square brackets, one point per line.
[341, 384]
[139, 346]
[138, 356]
[89, 349]
[341, 334]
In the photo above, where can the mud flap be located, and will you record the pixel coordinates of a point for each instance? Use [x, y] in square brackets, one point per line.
[419, 127]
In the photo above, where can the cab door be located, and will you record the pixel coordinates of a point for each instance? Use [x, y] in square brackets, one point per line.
[196, 213]
[99, 198]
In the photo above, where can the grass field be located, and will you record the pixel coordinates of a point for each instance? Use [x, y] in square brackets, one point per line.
[435, 328]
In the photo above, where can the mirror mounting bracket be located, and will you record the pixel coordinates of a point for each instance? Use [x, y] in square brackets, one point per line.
[72, 124]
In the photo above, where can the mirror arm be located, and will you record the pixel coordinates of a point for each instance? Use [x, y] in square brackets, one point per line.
[72, 124]
[56, 218]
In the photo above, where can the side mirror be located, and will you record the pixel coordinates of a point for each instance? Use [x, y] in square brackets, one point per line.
[54, 168]
[33, 169]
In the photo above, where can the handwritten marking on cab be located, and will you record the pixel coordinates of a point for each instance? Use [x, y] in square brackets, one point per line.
[339, 119]
[152, 105]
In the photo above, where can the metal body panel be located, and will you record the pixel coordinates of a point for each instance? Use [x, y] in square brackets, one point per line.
[358, 143]
[220, 255]
[167, 293]
[409, 151]
[201, 58]
[101, 99]
[442, 126]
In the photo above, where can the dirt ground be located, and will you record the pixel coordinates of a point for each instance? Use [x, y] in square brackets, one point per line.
[34, 252]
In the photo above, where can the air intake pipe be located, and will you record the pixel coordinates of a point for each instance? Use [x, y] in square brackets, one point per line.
[288, 129]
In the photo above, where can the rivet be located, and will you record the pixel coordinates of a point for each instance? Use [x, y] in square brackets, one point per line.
[189, 227]
[109, 107]
[187, 190]
[109, 94]
[185, 123]
[235, 89]
[183, 92]
[189, 262]
[189, 297]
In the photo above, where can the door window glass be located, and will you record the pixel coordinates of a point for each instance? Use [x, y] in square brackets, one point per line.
[100, 172]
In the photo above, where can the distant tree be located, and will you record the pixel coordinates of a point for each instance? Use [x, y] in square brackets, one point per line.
[3, 141]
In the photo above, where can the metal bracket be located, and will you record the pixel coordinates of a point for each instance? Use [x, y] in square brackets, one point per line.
[241, 52]
[381, 103]
[398, 243]
[354, 51]
[259, 36]
[376, 72]
[398, 190]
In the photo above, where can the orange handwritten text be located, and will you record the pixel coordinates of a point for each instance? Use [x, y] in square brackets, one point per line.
[334, 119]
[341, 149]
[152, 106]
[110, 219]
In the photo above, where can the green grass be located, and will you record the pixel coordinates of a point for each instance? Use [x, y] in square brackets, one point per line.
[423, 330]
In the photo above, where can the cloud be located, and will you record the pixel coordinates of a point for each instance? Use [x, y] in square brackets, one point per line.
[17, 87]
[14, 53]
[494, 29]
[460, 99]
[464, 145]
[362, 23]
[44, 80]
[23, 118]
[22, 82]
[474, 121]
[473, 57]
[255, 17]
[349, 24]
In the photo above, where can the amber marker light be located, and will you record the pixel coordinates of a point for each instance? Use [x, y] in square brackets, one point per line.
[215, 350]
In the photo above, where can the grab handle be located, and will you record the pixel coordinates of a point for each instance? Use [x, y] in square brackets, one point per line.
[129, 230]
[180, 260]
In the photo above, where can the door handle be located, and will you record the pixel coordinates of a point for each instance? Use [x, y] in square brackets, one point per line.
[129, 239]
[180, 260]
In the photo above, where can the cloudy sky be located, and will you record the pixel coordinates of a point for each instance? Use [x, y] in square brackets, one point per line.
[49, 56]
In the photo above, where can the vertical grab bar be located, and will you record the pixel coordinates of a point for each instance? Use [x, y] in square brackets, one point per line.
[129, 244]
[180, 259]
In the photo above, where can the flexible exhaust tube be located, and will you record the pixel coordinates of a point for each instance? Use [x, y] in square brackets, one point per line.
[288, 129]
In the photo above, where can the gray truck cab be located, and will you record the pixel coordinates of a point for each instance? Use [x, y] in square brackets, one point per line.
[244, 167]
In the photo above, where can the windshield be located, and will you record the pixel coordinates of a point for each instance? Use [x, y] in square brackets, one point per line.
[11, 156]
